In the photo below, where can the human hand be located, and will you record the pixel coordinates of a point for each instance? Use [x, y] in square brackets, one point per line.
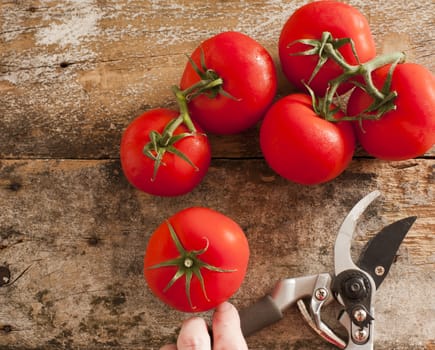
[227, 334]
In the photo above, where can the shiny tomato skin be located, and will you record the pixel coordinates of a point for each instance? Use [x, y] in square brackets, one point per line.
[227, 249]
[303, 147]
[309, 22]
[408, 131]
[175, 176]
[249, 75]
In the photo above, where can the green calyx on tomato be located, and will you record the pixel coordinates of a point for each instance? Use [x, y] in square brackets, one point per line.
[327, 49]
[210, 84]
[188, 264]
[161, 143]
[211, 89]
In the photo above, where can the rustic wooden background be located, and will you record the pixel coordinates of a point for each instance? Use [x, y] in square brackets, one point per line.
[73, 74]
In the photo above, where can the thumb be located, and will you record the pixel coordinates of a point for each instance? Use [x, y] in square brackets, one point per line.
[226, 329]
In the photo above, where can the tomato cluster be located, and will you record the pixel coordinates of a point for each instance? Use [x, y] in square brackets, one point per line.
[228, 85]
[391, 105]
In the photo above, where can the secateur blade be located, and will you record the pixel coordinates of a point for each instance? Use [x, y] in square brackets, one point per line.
[379, 252]
[342, 254]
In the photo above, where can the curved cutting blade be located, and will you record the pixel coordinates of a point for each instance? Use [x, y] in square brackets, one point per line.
[379, 252]
[342, 257]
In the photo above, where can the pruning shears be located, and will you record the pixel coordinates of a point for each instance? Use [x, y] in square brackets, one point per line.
[353, 285]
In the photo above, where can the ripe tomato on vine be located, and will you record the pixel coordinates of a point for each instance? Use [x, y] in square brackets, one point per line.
[320, 21]
[407, 130]
[249, 82]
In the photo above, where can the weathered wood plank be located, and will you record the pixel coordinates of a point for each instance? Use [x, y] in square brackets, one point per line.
[74, 74]
[82, 230]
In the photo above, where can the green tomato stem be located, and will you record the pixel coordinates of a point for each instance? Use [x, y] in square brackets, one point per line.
[164, 141]
[363, 69]
[210, 83]
[376, 63]
[188, 262]
[183, 97]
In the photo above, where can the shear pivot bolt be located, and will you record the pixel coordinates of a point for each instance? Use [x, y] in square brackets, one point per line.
[321, 294]
[354, 288]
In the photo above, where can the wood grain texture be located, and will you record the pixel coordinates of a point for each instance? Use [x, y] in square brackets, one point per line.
[83, 230]
[73, 74]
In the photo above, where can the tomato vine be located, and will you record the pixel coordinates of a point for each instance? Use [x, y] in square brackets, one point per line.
[160, 143]
[327, 48]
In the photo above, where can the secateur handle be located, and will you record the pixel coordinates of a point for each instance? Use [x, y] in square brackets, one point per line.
[287, 292]
[269, 309]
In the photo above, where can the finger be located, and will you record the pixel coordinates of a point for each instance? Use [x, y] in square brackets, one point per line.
[194, 335]
[169, 347]
[226, 329]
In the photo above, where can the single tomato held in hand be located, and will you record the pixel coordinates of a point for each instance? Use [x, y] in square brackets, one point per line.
[196, 259]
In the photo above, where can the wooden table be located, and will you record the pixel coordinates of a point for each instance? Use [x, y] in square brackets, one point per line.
[73, 74]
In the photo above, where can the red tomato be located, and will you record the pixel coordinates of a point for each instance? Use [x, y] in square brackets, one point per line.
[215, 240]
[309, 22]
[408, 131]
[248, 74]
[303, 147]
[175, 175]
